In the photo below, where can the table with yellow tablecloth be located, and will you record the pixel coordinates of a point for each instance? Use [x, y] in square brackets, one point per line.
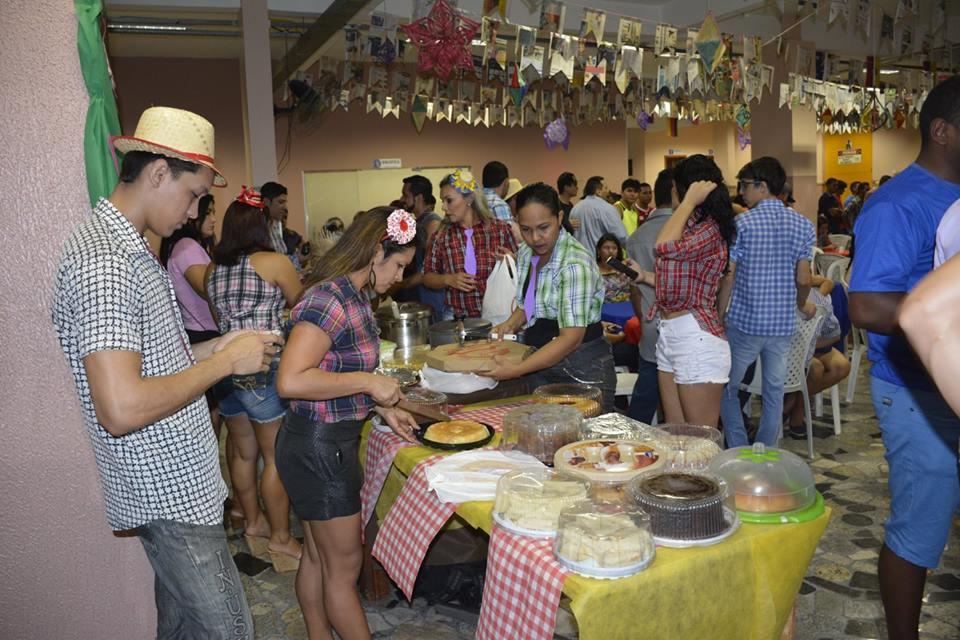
[740, 589]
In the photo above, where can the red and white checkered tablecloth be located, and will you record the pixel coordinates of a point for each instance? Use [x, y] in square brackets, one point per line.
[382, 448]
[521, 592]
[492, 416]
[414, 521]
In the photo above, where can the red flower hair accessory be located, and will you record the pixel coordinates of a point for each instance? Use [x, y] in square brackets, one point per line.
[251, 197]
[401, 227]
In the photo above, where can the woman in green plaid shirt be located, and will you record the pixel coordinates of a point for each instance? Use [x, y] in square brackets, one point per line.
[559, 295]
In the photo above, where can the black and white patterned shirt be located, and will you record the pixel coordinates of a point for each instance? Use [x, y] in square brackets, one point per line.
[111, 294]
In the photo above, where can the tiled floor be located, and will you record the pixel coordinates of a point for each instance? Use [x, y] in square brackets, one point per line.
[838, 599]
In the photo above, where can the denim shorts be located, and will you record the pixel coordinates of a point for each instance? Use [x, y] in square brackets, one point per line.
[254, 396]
[692, 355]
[197, 587]
[920, 435]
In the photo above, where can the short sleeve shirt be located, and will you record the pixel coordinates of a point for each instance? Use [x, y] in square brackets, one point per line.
[771, 239]
[569, 288]
[344, 314]
[194, 309]
[896, 233]
[948, 235]
[497, 205]
[111, 294]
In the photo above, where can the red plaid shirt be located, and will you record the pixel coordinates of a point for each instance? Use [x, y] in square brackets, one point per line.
[446, 255]
[689, 272]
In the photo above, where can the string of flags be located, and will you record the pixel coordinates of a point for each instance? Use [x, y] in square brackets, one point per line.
[487, 71]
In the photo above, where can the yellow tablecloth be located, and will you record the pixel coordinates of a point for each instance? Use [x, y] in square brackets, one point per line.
[740, 589]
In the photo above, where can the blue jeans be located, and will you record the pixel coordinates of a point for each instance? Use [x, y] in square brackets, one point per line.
[254, 395]
[920, 435]
[646, 393]
[197, 587]
[744, 349]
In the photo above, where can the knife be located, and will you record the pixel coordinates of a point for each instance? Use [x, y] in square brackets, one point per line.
[424, 410]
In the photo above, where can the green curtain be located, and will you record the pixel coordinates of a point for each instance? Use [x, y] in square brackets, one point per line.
[102, 118]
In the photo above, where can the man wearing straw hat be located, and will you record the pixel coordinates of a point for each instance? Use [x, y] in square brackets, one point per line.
[141, 385]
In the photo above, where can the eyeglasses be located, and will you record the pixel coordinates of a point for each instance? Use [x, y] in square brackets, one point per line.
[743, 184]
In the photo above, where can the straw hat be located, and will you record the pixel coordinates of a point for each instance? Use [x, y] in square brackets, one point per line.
[513, 188]
[174, 133]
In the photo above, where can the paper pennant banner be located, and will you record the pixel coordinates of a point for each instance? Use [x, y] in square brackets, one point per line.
[526, 37]
[552, 15]
[805, 7]
[691, 45]
[906, 40]
[752, 49]
[784, 95]
[665, 39]
[838, 8]
[374, 102]
[886, 29]
[694, 75]
[630, 64]
[513, 117]
[864, 17]
[495, 8]
[628, 33]
[562, 52]
[593, 24]
[709, 44]
[443, 110]
[391, 107]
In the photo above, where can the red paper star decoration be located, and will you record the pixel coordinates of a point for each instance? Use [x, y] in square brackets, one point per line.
[443, 39]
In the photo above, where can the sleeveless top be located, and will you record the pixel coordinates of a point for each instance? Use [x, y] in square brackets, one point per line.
[244, 300]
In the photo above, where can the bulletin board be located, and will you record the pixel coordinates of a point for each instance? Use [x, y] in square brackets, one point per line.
[342, 194]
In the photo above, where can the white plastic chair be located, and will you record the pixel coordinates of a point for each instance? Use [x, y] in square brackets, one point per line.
[625, 384]
[834, 407]
[840, 240]
[837, 270]
[797, 368]
[817, 251]
[859, 348]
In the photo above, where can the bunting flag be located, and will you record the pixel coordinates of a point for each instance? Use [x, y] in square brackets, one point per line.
[552, 16]
[709, 44]
[906, 40]
[382, 37]
[806, 7]
[562, 52]
[390, 107]
[593, 24]
[864, 17]
[838, 8]
[665, 39]
[495, 7]
[691, 46]
[630, 63]
[886, 29]
[752, 49]
[628, 33]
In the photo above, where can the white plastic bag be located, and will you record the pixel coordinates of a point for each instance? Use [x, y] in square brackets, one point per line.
[452, 382]
[500, 298]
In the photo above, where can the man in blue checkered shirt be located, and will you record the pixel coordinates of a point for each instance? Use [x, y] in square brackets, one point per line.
[770, 279]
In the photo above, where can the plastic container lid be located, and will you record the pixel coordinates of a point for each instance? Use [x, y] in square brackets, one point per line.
[604, 540]
[616, 426]
[423, 396]
[608, 461]
[530, 502]
[765, 480]
[539, 430]
[588, 400]
[683, 505]
[687, 446]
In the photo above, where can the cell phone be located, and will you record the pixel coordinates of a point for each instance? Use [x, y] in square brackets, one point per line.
[622, 268]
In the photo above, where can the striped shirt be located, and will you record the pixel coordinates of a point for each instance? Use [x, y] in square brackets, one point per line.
[771, 239]
[569, 288]
[111, 294]
[243, 299]
[344, 314]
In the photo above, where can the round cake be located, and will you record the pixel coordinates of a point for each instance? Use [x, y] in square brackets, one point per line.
[533, 500]
[682, 506]
[603, 540]
[583, 398]
[607, 460]
[539, 430]
[456, 432]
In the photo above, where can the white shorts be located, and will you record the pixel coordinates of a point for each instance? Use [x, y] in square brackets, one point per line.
[692, 355]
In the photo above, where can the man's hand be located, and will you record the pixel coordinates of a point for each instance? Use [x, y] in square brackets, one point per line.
[502, 370]
[249, 351]
[462, 281]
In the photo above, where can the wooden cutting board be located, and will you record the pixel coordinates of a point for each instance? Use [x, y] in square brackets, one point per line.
[475, 355]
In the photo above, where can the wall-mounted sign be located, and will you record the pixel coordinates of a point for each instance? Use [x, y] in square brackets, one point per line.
[387, 163]
[849, 155]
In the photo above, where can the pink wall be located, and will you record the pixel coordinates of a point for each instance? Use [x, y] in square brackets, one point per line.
[62, 573]
[354, 139]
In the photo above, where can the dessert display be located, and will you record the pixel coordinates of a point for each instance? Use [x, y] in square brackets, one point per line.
[616, 426]
[530, 502]
[586, 399]
[427, 398]
[604, 540]
[456, 432]
[539, 430]
[767, 482]
[683, 506]
[688, 446]
[607, 461]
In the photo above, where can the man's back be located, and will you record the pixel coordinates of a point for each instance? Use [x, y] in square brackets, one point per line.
[641, 247]
[771, 240]
[597, 217]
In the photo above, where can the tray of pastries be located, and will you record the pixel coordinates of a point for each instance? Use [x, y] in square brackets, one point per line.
[586, 399]
[455, 435]
[608, 461]
[529, 502]
[604, 540]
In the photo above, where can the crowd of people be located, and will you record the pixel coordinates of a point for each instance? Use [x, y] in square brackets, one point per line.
[164, 349]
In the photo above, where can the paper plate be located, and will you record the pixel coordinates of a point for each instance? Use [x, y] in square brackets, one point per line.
[729, 516]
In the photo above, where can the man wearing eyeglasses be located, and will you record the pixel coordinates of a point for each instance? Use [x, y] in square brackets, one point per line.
[769, 276]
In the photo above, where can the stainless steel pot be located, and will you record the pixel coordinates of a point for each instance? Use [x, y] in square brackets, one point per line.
[450, 331]
[410, 329]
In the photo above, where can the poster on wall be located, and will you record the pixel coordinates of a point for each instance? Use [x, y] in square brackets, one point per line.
[849, 155]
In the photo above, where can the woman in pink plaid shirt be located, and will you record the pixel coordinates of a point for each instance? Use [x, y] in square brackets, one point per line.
[327, 372]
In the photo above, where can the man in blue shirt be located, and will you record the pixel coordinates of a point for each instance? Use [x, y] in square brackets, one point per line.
[895, 247]
[770, 279]
[593, 216]
[495, 181]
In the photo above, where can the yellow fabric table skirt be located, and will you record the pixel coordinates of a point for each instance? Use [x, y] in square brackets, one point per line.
[740, 589]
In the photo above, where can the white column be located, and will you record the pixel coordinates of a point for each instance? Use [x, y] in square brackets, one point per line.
[258, 125]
